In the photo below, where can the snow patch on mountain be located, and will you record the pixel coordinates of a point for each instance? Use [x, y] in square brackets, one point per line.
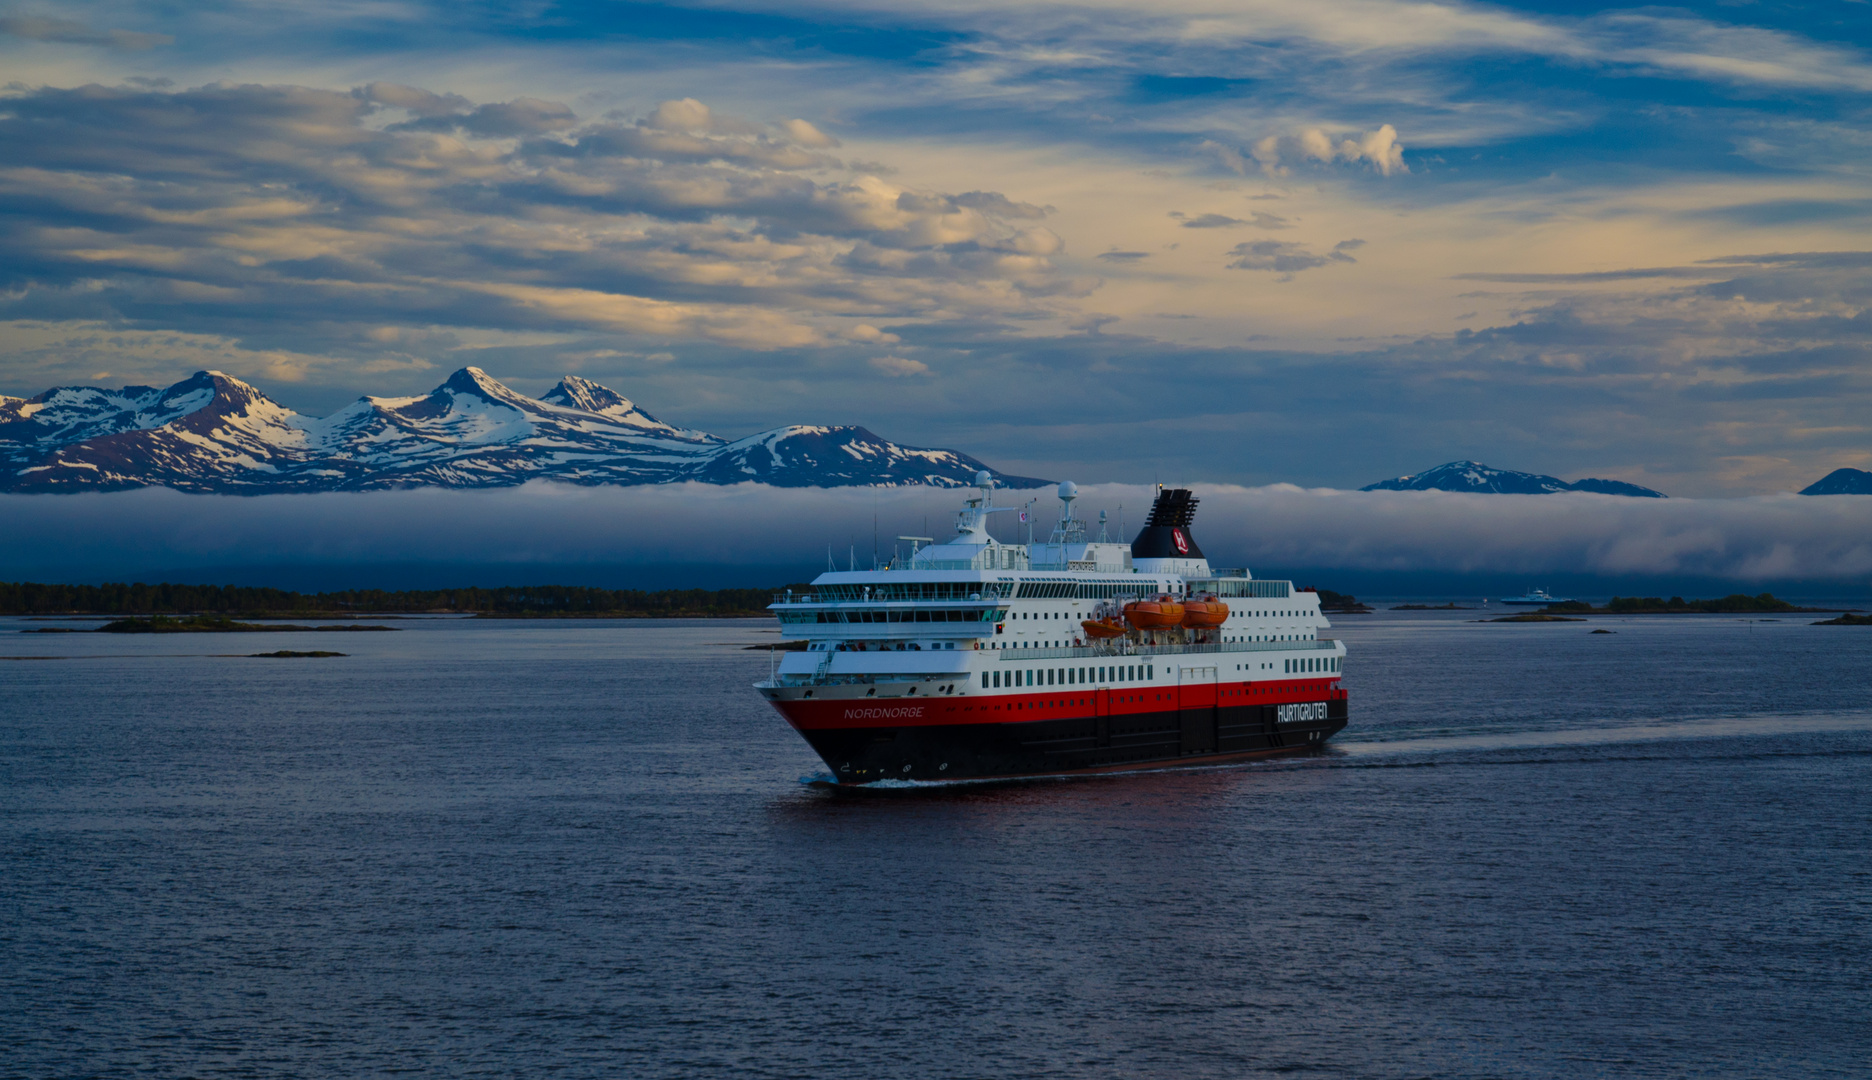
[1841, 482]
[215, 433]
[1477, 477]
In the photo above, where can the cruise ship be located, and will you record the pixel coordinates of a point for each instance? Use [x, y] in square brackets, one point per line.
[974, 658]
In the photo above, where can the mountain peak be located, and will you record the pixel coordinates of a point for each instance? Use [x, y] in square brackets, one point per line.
[1841, 482]
[472, 380]
[574, 392]
[578, 393]
[1473, 476]
[214, 433]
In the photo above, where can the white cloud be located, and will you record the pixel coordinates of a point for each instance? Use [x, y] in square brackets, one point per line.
[897, 366]
[807, 135]
[127, 534]
[1379, 149]
[687, 114]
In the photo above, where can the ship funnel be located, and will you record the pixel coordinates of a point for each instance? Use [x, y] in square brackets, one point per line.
[1167, 534]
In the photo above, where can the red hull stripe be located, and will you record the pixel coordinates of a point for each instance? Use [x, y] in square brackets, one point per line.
[1062, 705]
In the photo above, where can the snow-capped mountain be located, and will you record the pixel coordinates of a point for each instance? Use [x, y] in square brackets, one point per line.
[1841, 482]
[1475, 476]
[215, 433]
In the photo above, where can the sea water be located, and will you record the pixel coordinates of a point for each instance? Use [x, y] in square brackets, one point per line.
[582, 849]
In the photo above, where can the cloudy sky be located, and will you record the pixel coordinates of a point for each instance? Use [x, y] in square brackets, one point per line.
[1228, 241]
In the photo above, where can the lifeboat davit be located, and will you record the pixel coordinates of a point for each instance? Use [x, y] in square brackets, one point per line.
[1160, 613]
[1103, 628]
[1204, 612]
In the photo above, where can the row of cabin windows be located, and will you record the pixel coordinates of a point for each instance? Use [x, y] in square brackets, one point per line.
[902, 590]
[1307, 664]
[1003, 590]
[1067, 676]
[907, 616]
[1035, 590]
[1077, 590]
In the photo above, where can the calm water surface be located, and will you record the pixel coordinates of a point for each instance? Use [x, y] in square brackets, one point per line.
[582, 849]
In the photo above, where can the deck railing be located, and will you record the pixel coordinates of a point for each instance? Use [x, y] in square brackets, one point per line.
[1125, 648]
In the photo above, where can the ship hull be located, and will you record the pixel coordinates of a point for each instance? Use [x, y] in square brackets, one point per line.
[865, 741]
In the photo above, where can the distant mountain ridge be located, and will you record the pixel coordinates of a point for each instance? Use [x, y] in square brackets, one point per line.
[1841, 482]
[1475, 476]
[212, 433]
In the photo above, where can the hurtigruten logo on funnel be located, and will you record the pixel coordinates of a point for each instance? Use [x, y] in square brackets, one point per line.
[1165, 544]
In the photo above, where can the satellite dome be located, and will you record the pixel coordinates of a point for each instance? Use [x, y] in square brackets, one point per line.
[984, 479]
[1068, 490]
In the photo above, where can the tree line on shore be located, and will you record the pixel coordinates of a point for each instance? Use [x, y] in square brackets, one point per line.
[28, 598]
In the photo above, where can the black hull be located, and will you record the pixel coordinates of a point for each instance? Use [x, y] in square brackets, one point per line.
[977, 751]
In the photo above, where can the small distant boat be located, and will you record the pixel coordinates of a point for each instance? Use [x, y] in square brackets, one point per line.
[1536, 598]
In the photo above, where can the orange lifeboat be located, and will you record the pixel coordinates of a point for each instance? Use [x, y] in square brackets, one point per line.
[1204, 612]
[1103, 628]
[1160, 613]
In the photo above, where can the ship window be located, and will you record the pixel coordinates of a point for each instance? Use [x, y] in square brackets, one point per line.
[984, 680]
[997, 678]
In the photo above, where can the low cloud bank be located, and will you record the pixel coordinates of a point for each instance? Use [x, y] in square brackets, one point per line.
[544, 528]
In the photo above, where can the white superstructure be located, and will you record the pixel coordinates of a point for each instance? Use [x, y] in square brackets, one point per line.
[974, 614]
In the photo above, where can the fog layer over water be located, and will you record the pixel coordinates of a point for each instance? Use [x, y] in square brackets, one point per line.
[125, 534]
[582, 849]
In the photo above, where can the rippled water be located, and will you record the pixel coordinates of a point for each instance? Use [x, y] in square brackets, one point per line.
[582, 849]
